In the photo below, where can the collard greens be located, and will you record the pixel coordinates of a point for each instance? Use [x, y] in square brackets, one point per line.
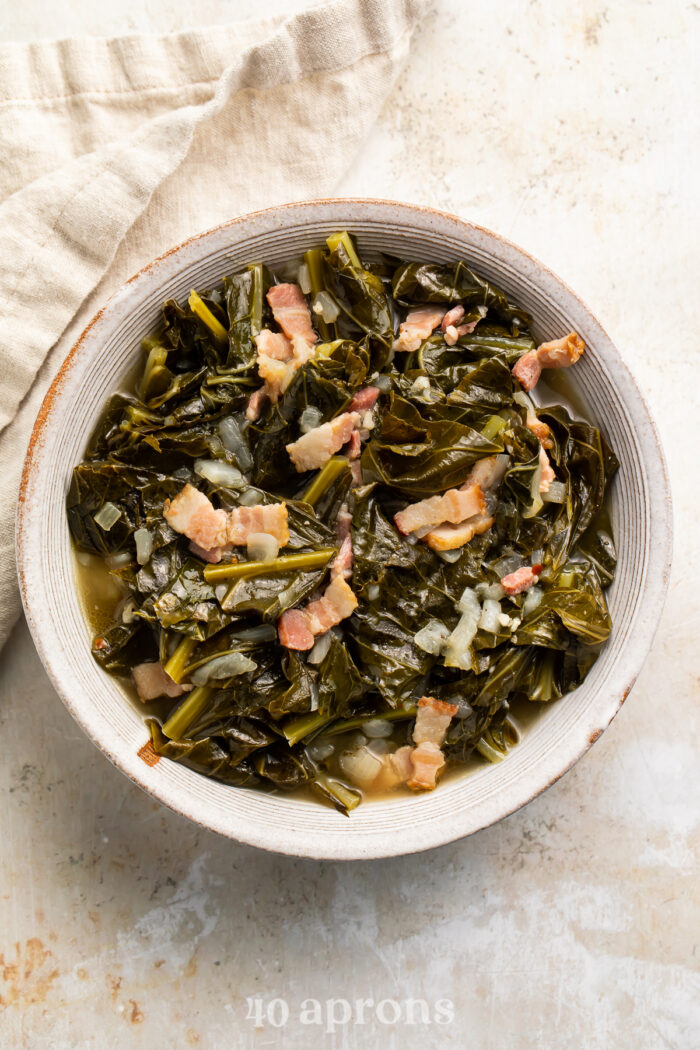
[441, 409]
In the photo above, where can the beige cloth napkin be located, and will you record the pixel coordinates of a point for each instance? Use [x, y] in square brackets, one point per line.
[111, 151]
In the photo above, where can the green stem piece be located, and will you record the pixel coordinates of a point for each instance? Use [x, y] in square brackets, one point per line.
[341, 795]
[188, 711]
[177, 663]
[299, 726]
[347, 724]
[345, 239]
[202, 311]
[314, 263]
[324, 479]
[246, 569]
[494, 426]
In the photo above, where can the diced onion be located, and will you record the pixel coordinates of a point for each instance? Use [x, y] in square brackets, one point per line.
[262, 546]
[227, 666]
[219, 473]
[373, 592]
[380, 747]
[419, 387]
[264, 632]
[556, 492]
[535, 497]
[354, 741]
[450, 556]
[490, 613]
[456, 649]
[309, 419]
[383, 383]
[361, 766]
[250, 498]
[304, 278]
[325, 307]
[313, 689]
[144, 545]
[128, 611]
[233, 441]
[432, 637]
[521, 398]
[221, 590]
[320, 649]
[376, 728]
[494, 591]
[116, 561]
[107, 516]
[320, 750]
[468, 601]
[531, 600]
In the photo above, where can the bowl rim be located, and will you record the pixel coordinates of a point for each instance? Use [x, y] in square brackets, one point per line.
[660, 555]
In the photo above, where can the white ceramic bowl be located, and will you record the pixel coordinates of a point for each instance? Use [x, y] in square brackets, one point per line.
[103, 356]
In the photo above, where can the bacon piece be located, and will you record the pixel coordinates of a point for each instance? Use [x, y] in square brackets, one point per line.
[274, 344]
[213, 556]
[298, 627]
[419, 324]
[338, 602]
[193, 514]
[396, 769]
[294, 631]
[212, 531]
[454, 506]
[281, 353]
[290, 310]
[559, 353]
[151, 681]
[342, 563]
[256, 402]
[520, 580]
[452, 330]
[547, 476]
[487, 472]
[527, 370]
[354, 449]
[540, 430]
[450, 537]
[427, 760]
[277, 375]
[270, 518]
[432, 720]
[316, 447]
[356, 471]
[343, 522]
[364, 400]
[453, 316]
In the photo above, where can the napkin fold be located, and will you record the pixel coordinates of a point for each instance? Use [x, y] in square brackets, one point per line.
[114, 150]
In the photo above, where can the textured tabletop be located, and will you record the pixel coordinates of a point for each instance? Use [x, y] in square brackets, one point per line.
[572, 130]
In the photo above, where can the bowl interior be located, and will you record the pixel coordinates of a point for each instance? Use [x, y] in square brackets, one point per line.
[99, 365]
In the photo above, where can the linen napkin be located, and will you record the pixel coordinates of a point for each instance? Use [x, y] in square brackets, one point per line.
[114, 150]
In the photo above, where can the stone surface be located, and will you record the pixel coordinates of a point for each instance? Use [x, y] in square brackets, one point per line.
[573, 923]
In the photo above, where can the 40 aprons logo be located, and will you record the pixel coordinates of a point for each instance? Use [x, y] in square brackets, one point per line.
[331, 1014]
